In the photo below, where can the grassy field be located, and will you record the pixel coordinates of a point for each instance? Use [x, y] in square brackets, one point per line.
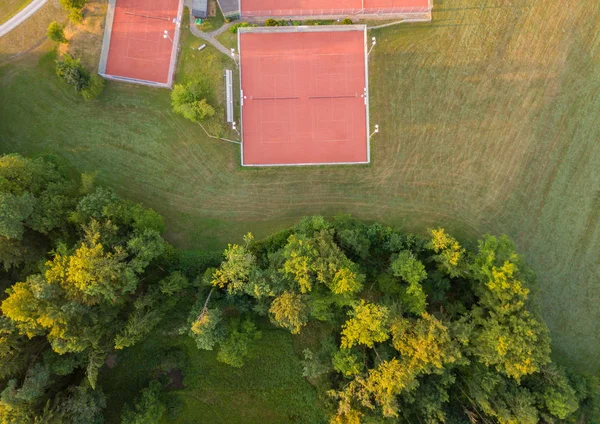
[488, 121]
[9, 8]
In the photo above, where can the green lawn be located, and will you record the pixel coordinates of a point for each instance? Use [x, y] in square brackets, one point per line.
[269, 389]
[9, 8]
[489, 123]
[228, 39]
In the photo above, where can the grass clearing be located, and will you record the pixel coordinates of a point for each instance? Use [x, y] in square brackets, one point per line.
[268, 389]
[488, 120]
[9, 8]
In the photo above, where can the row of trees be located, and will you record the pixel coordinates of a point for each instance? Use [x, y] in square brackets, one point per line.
[86, 273]
[423, 329]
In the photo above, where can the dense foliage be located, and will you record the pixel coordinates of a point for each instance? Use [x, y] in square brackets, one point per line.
[56, 32]
[190, 100]
[72, 72]
[85, 273]
[424, 329]
[75, 8]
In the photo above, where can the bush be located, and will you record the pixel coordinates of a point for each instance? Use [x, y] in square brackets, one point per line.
[56, 32]
[94, 89]
[347, 21]
[76, 15]
[271, 22]
[71, 71]
[189, 101]
[75, 9]
[234, 28]
[149, 407]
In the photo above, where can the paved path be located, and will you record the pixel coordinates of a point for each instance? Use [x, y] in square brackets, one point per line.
[210, 36]
[22, 16]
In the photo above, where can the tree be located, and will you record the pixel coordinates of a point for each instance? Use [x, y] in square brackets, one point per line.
[300, 255]
[35, 198]
[56, 32]
[14, 210]
[235, 348]
[206, 329]
[94, 88]
[476, 352]
[72, 72]
[75, 8]
[13, 359]
[425, 344]
[347, 363]
[81, 404]
[411, 270]
[174, 283]
[149, 309]
[507, 335]
[312, 367]
[288, 310]
[73, 4]
[368, 324]
[449, 253]
[317, 259]
[189, 100]
[149, 407]
[239, 272]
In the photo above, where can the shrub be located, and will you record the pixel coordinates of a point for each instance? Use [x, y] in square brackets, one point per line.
[234, 28]
[94, 89]
[75, 9]
[347, 21]
[56, 32]
[149, 407]
[188, 100]
[71, 71]
[271, 22]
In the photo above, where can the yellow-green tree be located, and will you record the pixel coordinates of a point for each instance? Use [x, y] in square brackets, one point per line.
[288, 310]
[424, 344]
[449, 254]
[368, 324]
[239, 273]
[411, 270]
[507, 335]
[300, 254]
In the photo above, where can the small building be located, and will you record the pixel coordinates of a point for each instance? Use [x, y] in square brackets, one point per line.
[230, 8]
[200, 8]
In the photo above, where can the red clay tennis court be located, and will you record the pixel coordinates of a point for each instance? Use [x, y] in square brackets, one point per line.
[138, 50]
[304, 96]
[277, 8]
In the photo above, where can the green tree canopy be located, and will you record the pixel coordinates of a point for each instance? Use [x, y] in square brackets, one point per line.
[428, 330]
